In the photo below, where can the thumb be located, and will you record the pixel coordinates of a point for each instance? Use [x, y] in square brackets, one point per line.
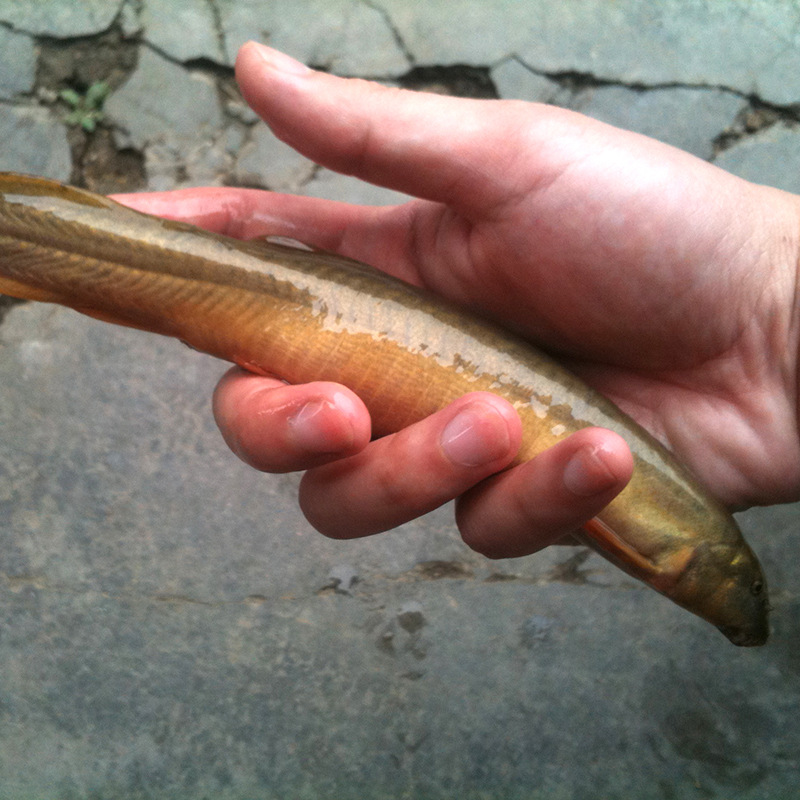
[446, 149]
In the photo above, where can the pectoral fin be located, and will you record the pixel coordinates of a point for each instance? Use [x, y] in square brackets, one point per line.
[661, 575]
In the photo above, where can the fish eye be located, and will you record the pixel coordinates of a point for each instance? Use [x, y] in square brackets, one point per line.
[756, 587]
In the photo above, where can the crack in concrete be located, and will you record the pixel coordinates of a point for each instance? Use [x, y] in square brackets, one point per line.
[457, 80]
[19, 583]
[568, 571]
[219, 29]
[54, 37]
[758, 115]
[132, 7]
[576, 80]
[750, 121]
[203, 64]
[393, 29]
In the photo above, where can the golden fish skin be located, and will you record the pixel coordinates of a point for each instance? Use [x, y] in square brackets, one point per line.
[317, 316]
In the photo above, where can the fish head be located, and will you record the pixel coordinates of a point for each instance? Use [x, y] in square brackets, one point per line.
[729, 590]
[744, 598]
[703, 564]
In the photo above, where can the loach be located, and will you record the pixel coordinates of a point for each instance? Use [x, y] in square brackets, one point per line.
[317, 316]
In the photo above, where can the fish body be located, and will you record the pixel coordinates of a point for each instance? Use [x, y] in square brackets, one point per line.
[316, 316]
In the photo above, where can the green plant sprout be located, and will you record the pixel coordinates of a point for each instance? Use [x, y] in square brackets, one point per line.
[87, 110]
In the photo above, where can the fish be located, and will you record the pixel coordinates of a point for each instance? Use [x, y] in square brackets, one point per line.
[277, 309]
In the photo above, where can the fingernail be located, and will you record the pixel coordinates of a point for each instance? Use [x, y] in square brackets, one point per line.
[321, 426]
[586, 473]
[476, 435]
[280, 61]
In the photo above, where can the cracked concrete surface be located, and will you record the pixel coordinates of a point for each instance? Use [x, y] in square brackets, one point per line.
[169, 625]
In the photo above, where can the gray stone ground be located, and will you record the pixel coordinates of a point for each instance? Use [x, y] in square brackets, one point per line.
[169, 625]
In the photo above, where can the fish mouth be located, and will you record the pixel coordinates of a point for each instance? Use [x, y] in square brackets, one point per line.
[745, 637]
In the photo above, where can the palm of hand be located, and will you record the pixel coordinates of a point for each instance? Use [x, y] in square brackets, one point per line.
[629, 263]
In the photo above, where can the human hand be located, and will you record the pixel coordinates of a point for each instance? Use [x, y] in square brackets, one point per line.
[663, 281]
